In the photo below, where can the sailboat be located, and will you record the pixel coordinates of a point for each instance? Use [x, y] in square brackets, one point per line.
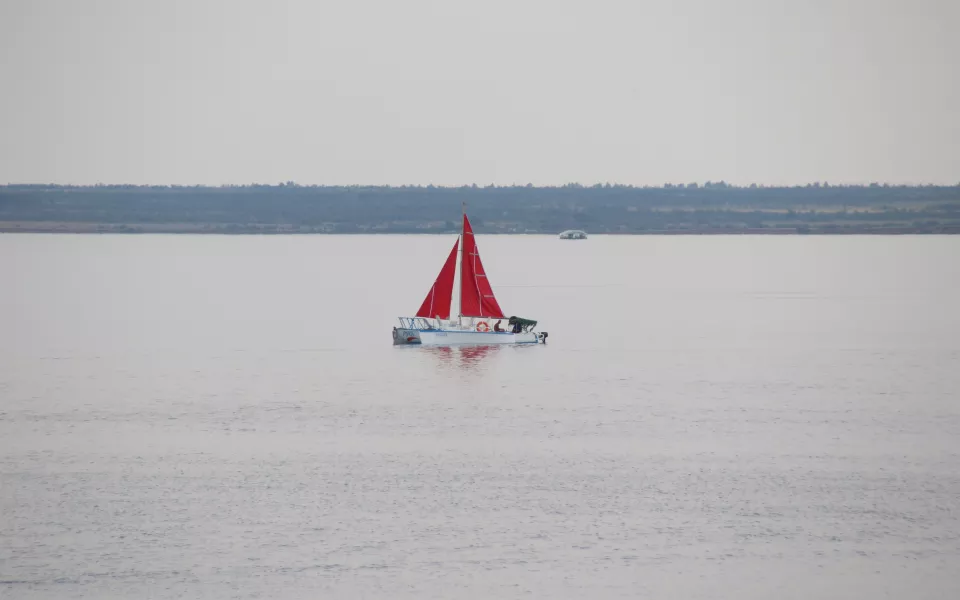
[479, 314]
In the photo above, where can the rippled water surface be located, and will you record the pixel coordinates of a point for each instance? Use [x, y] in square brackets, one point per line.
[713, 417]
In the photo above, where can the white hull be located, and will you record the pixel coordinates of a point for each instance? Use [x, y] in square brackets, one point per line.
[405, 336]
[456, 337]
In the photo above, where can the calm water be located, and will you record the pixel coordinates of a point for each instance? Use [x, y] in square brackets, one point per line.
[713, 417]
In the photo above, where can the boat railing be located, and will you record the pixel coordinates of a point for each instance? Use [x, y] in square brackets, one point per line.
[418, 323]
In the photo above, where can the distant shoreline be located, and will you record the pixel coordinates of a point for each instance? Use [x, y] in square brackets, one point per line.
[262, 229]
[710, 209]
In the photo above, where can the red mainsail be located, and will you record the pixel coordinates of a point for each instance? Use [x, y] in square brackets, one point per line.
[476, 294]
[437, 303]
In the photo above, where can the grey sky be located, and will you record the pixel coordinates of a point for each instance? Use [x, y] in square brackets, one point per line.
[543, 91]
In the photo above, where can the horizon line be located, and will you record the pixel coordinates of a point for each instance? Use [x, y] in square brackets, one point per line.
[707, 184]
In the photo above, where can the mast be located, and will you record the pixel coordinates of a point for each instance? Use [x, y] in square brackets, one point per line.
[463, 210]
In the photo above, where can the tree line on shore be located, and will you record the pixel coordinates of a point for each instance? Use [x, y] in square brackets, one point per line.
[598, 208]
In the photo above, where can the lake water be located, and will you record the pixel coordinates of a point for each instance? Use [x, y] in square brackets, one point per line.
[712, 417]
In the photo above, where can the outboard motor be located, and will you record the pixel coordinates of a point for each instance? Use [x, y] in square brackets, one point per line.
[543, 337]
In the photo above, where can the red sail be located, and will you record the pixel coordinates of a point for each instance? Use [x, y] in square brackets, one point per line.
[476, 294]
[437, 303]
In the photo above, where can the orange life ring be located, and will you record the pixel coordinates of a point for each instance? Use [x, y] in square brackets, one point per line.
[483, 327]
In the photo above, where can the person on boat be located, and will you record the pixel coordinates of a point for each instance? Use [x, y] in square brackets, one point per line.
[496, 326]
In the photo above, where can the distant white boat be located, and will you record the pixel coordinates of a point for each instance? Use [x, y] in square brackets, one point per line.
[479, 318]
[573, 234]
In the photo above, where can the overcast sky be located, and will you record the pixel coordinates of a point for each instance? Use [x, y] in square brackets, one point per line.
[518, 91]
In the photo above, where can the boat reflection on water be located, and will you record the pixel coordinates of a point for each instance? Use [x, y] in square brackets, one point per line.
[462, 357]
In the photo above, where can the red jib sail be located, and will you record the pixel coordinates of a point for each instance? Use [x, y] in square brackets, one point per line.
[476, 294]
[437, 303]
